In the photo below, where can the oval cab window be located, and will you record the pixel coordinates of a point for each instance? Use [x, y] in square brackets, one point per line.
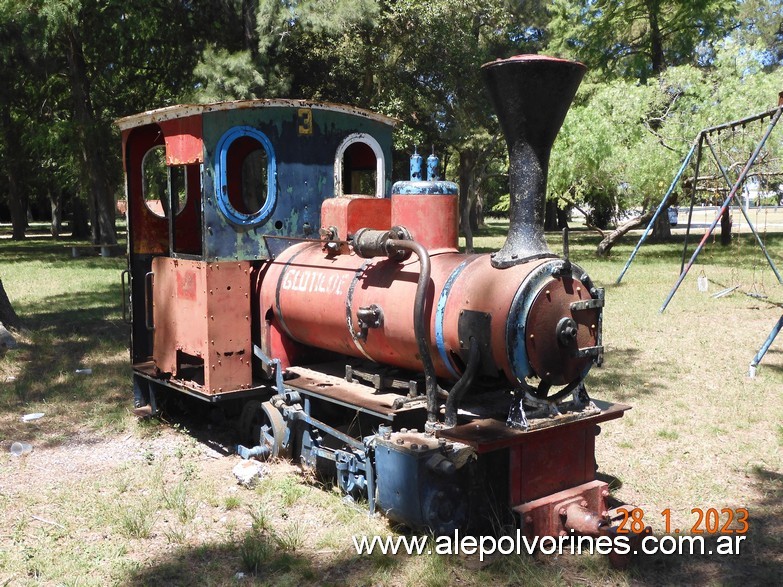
[245, 174]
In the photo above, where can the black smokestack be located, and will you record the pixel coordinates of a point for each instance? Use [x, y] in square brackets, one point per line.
[531, 95]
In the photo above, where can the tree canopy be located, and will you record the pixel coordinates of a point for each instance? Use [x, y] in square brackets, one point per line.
[659, 71]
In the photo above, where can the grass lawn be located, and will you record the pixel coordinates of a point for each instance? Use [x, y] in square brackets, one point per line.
[104, 499]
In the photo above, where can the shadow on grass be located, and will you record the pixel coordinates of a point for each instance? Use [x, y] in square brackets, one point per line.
[623, 382]
[260, 559]
[64, 333]
[757, 561]
[56, 252]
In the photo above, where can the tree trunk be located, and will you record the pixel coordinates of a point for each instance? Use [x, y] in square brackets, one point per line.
[7, 314]
[467, 165]
[18, 204]
[477, 212]
[656, 39]
[725, 227]
[611, 239]
[17, 199]
[56, 201]
[80, 227]
[661, 229]
[89, 131]
[562, 218]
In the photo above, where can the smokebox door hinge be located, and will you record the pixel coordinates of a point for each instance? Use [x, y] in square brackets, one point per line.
[587, 304]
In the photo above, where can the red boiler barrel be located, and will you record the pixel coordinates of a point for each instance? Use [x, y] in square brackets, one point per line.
[519, 315]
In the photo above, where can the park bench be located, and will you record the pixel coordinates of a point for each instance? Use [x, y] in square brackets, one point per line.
[84, 249]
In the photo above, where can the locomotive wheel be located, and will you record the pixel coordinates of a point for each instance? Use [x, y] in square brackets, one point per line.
[265, 425]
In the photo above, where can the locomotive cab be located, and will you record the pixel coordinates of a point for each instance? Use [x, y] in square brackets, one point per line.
[214, 191]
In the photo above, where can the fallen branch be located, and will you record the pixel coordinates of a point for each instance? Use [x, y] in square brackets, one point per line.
[609, 240]
[45, 521]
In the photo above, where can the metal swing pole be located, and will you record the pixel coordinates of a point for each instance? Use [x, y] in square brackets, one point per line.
[700, 140]
[764, 348]
[740, 180]
[658, 211]
[745, 214]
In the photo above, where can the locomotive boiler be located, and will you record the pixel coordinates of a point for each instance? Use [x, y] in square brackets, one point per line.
[275, 271]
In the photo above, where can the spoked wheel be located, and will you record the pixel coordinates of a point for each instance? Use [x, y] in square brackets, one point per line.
[265, 426]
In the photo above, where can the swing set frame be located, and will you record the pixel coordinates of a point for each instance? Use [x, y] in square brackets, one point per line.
[697, 150]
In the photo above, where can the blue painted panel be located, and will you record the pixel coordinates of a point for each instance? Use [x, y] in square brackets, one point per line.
[305, 174]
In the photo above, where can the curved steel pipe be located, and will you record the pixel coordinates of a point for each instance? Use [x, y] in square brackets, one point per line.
[461, 387]
[420, 324]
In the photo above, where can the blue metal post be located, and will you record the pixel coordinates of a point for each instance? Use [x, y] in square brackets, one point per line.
[765, 347]
[658, 211]
[739, 182]
[432, 167]
[416, 160]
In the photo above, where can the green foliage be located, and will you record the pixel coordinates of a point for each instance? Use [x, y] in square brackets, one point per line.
[637, 39]
[659, 71]
[223, 75]
[623, 141]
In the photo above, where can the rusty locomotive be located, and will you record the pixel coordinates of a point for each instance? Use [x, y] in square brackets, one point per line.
[274, 269]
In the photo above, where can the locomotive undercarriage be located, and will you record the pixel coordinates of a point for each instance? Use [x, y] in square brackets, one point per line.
[510, 462]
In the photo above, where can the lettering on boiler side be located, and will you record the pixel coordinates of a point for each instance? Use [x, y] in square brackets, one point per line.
[311, 281]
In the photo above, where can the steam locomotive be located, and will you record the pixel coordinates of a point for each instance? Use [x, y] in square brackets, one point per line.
[275, 270]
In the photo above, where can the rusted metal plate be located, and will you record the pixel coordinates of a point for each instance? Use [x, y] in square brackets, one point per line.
[488, 434]
[541, 517]
[355, 395]
[183, 140]
[203, 310]
[185, 110]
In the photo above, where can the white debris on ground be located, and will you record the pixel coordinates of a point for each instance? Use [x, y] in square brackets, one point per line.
[249, 472]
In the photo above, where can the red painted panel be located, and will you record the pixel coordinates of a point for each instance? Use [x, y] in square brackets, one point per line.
[149, 233]
[186, 285]
[350, 213]
[184, 143]
[433, 220]
[203, 309]
[546, 463]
